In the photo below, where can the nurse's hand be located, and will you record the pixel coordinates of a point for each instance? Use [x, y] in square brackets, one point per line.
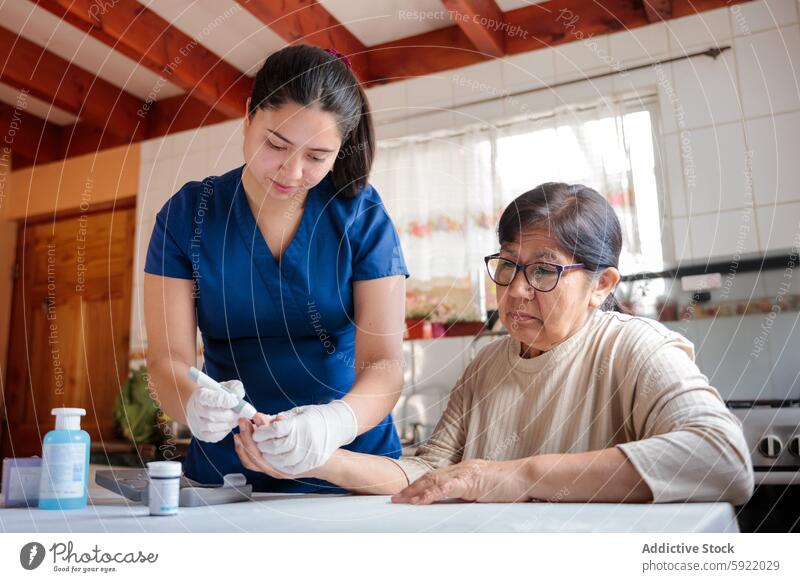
[306, 436]
[209, 413]
[472, 480]
[248, 452]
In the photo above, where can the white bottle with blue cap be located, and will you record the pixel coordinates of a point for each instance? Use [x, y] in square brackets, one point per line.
[64, 483]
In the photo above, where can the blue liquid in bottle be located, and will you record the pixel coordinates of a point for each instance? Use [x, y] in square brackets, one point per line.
[64, 483]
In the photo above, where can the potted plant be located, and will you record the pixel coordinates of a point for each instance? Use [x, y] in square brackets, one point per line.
[418, 315]
[462, 327]
[415, 324]
[137, 417]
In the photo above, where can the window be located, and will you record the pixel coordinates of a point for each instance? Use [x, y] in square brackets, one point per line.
[446, 192]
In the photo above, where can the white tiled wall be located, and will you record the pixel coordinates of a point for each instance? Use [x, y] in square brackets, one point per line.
[432, 369]
[726, 352]
[167, 164]
[728, 348]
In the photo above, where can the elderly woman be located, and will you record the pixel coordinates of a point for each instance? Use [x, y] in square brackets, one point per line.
[579, 403]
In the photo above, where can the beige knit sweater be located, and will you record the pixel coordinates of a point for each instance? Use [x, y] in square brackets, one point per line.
[619, 381]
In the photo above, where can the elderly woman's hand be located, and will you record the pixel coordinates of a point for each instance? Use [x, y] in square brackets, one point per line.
[473, 480]
[248, 451]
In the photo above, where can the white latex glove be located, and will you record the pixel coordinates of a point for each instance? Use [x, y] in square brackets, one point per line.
[209, 411]
[306, 436]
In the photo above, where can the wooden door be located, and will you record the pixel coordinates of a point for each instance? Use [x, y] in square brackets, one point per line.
[70, 325]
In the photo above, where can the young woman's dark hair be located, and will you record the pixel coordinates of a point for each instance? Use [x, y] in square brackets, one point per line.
[580, 219]
[309, 75]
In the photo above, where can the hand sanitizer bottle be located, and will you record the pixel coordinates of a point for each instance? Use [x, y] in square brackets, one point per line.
[64, 482]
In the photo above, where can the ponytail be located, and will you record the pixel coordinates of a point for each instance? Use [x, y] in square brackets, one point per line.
[612, 304]
[353, 162]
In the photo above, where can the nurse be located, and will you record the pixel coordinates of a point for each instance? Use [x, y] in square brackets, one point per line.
[294, 274]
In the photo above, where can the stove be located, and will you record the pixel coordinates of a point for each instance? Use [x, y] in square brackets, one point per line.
[772, 431]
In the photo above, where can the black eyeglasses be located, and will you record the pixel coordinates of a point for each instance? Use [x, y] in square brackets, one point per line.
[542, 276]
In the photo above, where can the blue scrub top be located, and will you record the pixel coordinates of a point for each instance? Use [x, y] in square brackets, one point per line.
[286, 330]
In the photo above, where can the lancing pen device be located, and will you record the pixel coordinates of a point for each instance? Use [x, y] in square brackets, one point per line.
[243, 408]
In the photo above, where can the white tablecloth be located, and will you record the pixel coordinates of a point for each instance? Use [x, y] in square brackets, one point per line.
[351, 513]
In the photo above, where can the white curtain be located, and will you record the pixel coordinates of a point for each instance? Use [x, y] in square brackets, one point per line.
[446, 193]
[435, 190]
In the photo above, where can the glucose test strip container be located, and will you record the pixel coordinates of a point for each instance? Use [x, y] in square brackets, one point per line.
[64, 482]
[163, 492]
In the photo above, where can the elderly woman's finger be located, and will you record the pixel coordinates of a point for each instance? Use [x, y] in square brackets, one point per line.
[246, 437]
[435, 486]
[257, 462]
[243, 453]
[261, 419]
[245, 426]
[415, 492]
[244, 457]
[248, 449]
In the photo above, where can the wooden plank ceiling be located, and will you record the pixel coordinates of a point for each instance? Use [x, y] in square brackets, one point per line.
[210, 89]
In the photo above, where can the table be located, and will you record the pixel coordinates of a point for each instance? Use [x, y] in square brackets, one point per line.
[354, 513]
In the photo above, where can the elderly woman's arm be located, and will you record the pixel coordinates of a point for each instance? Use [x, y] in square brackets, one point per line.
[598, 476]
[687, 447]
[372, 474]
[362, 473]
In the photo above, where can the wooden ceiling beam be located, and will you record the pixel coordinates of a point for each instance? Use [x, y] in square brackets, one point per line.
[563, 21]
[180, 113]
[27, 137]
[658, 10]
[689, 7]
[142, 35]
[483, 23]
[307, 22]
[528, 28]
[422, 54]
[69, 87]
[170, 115]
[537, 26]
[81, 138]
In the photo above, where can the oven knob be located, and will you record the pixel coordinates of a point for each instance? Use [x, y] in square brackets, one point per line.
[770, 446]
[794, 445]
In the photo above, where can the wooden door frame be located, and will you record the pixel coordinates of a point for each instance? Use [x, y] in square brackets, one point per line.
[126, 203]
